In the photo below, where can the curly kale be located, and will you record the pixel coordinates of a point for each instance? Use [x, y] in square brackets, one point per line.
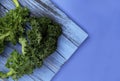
[12, 25]
[19, 65]
[50, 32]
[38, 42]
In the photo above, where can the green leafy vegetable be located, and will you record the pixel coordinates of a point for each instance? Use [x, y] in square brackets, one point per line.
[13, 24]
[38, 41]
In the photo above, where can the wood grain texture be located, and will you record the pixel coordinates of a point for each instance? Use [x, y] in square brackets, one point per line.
[68, 43]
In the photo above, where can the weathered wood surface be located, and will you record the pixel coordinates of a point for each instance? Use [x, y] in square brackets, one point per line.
[68, 42]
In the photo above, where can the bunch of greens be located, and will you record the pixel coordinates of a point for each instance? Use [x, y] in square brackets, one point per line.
[38, 41]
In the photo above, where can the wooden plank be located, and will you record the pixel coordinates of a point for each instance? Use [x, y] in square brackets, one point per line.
[65, 47]
[26, 78]
[51, 66]
[53, 61]
[8, 4]
[2, 11]
[2, 80]
[2, 64]
[58, 57]
[7, 51]
[9, 79]
[35, 78]
[43, 73]
[3, 59]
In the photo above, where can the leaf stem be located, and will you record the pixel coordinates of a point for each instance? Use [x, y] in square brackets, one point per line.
[16, 3]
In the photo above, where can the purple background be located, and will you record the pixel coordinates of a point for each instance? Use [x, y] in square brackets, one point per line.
[98, 58]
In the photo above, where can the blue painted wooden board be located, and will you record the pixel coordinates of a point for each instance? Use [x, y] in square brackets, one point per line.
[69, 41]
